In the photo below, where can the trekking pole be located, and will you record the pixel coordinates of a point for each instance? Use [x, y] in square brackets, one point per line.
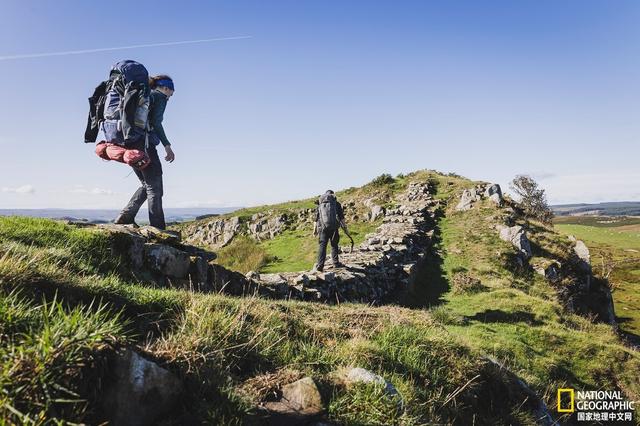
[344, 228]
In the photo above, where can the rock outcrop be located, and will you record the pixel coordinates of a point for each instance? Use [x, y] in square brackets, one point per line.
[585, 294]
[138, 391]
[472, 195]
[517, 236]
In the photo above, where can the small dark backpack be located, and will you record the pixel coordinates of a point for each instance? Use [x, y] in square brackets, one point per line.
[328, 212]
[120, 105]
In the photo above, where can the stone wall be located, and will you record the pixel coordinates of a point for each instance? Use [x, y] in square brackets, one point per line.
[389, 257]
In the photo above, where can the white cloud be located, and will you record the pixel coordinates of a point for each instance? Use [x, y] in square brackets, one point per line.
[24, 189]
[79, 189]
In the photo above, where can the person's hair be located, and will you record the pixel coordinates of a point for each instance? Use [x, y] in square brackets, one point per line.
[329, 191]
[155, 78]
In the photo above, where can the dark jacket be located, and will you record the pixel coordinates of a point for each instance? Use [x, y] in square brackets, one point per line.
[156, 114]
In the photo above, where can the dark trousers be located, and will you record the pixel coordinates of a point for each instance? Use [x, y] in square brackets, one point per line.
[327, 236]
[150, 191]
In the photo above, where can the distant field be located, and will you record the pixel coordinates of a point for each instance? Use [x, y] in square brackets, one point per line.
[617, 240]
[624, 208]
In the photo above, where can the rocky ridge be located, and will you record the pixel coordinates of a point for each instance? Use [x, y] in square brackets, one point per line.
[390, 257]
[577, 288]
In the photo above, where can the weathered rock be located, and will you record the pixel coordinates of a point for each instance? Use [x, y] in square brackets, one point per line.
[138, 391]
[517, 236]
[216, 233]
[582, 252]
[548, 269]
[300, 403]
[252, 275]
[376, 212]
[198, 273]
[264, 227]
[167, 260]
[518, 387]
[469, 196]
[136, 251]
[472, 195]
[159, 235]
[361, 375]
[303, 395]
[494, 193]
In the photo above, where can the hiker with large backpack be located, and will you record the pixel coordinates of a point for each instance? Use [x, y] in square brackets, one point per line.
[129, 109]
[329, 218]
[151, 177]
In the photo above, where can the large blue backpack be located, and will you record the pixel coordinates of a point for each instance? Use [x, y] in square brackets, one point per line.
[120, 106]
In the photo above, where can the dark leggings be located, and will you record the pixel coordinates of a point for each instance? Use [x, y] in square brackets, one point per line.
[327, 236]
[150, 190]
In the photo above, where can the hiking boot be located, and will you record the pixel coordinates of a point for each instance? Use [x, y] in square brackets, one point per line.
[338, 265]
[317, 269]
[125, 220]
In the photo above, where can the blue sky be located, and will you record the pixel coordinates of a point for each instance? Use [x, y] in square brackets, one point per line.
[329, 94]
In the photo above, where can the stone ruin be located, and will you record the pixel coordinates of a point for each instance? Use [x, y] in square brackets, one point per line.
[391, 257]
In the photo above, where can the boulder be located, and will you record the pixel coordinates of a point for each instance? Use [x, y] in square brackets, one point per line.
[494, 193]
[167, 260]
[469, 196]
[376, 212]
[582, 251]
[303, 395]
[136, 251]
[300, 403]
[361, 375]
[138, 392]
[517, 236]
[549, 269]
[198, 272]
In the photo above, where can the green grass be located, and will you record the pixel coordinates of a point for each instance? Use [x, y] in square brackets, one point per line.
[48, 355]
[615, 253]
[219, 345]
[291, 251]
[297, 250]
[243, 254]
[215, 343]
[516, 318]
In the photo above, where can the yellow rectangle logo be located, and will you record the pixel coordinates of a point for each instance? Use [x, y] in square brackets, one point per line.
[567, 409]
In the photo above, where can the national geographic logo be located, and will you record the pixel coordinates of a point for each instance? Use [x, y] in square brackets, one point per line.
[566, 401]
[596, 406]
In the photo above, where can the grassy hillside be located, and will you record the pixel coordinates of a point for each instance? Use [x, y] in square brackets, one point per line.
[615, 253]
[295, 248]
[66, 303]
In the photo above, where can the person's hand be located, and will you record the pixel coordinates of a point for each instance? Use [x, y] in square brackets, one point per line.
[170, 155]
[315, 230]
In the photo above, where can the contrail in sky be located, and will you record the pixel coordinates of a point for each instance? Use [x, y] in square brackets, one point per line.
[109, 49]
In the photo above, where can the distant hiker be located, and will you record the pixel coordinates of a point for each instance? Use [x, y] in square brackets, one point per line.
[329, 218]
[151, 177]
